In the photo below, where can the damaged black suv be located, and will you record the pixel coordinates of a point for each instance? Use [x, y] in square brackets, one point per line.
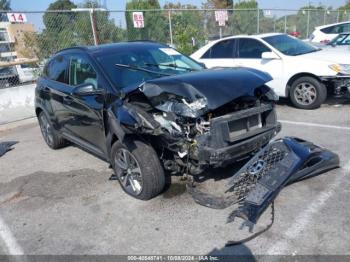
[145, 108]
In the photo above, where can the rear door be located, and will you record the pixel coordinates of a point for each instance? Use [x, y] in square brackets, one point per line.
[220, 54]
[53, 87]
[249, 53]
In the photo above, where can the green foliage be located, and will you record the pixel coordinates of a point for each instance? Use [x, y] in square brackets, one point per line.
[316, 17]
[66, 29]
[186, 27]
[218, 4]
[156, 25]
[57, 22]
[344, 11]
[245, 21]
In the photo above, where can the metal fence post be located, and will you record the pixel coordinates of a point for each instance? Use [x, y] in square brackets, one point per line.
[93, 26]
[170, 28]
[285, 24]
[308, 23]
[324, 16]
[258, 22]
[338, 17]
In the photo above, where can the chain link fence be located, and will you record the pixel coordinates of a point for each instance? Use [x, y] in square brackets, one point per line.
[25, 46]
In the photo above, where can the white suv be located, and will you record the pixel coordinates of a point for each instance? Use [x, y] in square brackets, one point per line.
[299, 70]
[325, 33]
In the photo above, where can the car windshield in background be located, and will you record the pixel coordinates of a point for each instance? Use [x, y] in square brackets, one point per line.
[134, 66]
[342, 39]
[289, 45]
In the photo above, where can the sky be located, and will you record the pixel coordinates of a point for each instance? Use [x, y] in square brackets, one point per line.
[41, 5]
[119, 17]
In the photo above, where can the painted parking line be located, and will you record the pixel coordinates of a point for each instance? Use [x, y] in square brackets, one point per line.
[314, 125]
[9, 240]
[304, 218]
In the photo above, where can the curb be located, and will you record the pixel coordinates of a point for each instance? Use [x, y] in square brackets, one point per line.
[19, 123]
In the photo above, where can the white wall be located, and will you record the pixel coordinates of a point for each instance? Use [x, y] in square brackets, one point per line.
[16, 103]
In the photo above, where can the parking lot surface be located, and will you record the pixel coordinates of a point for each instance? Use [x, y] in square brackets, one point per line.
[61, 202]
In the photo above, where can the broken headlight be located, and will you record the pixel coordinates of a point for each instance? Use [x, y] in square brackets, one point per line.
[183, 108]
[340, 68]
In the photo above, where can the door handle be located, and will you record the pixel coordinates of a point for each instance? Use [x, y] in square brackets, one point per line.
[67, 99]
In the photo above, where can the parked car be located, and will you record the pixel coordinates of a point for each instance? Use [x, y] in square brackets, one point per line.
[340, 43]
[17, 74]
[325, 33]
[300, 71]
[145, 108]
[342, 39]
[8, 77]
[295, 34]
[27, 72]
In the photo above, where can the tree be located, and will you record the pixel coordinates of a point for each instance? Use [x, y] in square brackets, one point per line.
[107, 31]
[211, 25]
[245, 21]
[218, 4]
[344, 10]
[309, 17]
[4, 5]
[59, 21]
[187, 27]
[65, 29]
[156, 27]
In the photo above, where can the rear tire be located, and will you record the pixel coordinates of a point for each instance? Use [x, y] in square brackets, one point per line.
[137, 166]
[52, 139]
[307, 93]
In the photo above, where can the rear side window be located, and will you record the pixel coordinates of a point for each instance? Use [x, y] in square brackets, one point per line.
[336, 29]
[222, 49]
[251, 48]
[56, 69]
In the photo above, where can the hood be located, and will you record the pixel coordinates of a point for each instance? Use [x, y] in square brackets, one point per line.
[215, 87]
[330, 55]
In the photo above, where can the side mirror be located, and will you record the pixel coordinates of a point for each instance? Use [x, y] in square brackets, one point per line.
[202, 64]
[269, 56]
[86, 89]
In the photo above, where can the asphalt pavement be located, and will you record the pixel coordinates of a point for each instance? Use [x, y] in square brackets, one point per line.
[61, 202]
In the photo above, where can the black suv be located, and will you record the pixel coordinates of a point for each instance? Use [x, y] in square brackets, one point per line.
[145, 108]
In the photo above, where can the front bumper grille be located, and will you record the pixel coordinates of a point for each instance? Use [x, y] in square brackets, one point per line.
[235, 135]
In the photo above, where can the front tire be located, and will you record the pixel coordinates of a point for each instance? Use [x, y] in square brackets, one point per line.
[137, 166]
[307, 93]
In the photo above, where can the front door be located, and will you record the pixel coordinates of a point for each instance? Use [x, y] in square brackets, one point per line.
[249, 53]
[84, 119]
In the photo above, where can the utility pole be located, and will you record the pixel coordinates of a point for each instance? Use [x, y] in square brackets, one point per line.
[92, 20]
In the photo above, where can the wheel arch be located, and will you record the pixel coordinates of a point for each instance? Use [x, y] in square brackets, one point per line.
[295, 77]
[38, 110]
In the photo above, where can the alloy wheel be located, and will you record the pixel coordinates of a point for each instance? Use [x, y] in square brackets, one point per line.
[305, 93]
[46, 129]
[128, 172]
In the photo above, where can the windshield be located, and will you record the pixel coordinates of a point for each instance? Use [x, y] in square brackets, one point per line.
[289, 45]
[133, 66]
[340, 40]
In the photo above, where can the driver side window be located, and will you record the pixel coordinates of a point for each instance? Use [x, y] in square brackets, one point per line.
[81, 72]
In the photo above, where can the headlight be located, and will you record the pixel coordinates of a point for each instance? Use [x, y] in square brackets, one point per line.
[340, 68]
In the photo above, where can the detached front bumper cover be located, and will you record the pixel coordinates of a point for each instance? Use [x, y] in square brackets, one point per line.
[259, 181]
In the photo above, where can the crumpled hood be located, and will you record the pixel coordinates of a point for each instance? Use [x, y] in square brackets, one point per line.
[216, 86]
